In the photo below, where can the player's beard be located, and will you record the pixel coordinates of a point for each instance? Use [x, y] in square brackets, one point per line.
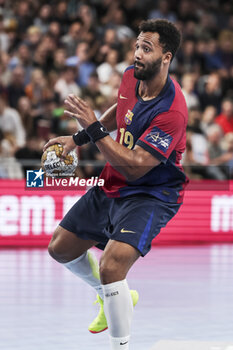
[147, 71]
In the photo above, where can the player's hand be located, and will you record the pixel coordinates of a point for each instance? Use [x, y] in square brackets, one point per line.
[80, 110]
[66, 141]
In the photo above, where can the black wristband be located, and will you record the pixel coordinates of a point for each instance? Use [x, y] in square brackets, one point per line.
[96, 131]
[81, 138]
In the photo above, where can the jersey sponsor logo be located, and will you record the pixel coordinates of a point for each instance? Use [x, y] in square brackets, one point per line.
[128, 117]
[35, 178]
[159, 139]
[125, 231]
[123, 97]
[123, 343]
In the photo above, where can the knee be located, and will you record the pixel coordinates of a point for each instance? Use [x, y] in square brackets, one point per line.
[109, 271]
[55, 248]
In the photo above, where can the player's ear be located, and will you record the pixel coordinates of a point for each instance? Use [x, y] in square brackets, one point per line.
[167, 57]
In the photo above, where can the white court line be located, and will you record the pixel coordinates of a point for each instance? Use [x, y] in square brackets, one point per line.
[191, 345]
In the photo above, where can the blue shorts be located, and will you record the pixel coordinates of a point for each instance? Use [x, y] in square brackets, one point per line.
[135, 219]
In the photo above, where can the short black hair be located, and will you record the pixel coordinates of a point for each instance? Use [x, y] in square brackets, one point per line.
[169, 34]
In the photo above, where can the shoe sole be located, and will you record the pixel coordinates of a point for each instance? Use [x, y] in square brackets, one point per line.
[93, 332]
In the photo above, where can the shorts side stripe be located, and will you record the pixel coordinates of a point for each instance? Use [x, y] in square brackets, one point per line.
[145, 234]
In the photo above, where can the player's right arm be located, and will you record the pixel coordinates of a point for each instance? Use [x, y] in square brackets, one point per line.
[108, 120]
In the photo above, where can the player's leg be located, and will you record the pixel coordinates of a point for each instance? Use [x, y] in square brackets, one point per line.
[72, 251]
[66, 246]
[78, 231]
[135, 220]
[115, 262]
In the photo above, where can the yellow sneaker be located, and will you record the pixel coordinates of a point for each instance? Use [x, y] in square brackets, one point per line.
[100, 323]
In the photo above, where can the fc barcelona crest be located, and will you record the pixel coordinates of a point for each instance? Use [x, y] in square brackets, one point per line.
[128, 117]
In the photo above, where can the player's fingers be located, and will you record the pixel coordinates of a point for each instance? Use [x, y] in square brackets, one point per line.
[64, 152]
[77, 101]
[70, 114]
[69, 104]
[50, 143]
[83, 104]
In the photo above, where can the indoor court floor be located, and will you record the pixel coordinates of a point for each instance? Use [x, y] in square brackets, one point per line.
[186, 295]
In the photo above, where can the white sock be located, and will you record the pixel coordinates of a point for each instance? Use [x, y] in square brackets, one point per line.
[86, 267]
[118, 308]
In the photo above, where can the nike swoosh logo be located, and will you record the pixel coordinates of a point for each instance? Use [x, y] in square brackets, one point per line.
[123, 343]
[123, 97]
[125, 231]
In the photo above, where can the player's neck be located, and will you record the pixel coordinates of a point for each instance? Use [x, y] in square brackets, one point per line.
[149, 89]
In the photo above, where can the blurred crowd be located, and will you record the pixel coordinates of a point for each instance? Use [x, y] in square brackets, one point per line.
[51, 49]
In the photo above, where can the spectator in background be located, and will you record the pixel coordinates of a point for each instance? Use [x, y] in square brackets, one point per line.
[5, 9]
[211, 91]
[188, 59]
[226, 47]
[10, 123]
[162, 11]
[86, 12]
[225, 119]
[55, 31]
[24, 16]
[212, 56]
[31, 150]
[17, 88]
[188, 88]
[36, 90]
[196, 155]
[228, 143]
[33, 37]
[43, 57]
[227, 83]
[110, 90]
[128, 61]
[9, 167]
[60, 15]
[187, 11]
[25, 111]
[4, 39]
[109, 41]
[225, 160]
[207, 26]
[208, 117]
[44, 18]
[123, 31]
[92, 89]
[214, 137]
[198, 139]
[73, 37]
[66, 84]
[59, 60]
[83, 63]
[105, 69]
[5, 72]
[24, 57]
[11, 28]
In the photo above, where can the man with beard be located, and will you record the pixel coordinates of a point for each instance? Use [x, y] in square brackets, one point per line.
[144, 181]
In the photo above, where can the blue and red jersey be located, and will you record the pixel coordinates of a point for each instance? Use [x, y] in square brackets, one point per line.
[158, 126]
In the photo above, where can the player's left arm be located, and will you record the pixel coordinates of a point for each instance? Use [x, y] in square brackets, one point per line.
[132, 163]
